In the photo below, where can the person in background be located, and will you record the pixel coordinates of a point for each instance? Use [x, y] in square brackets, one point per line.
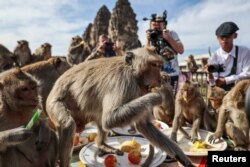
[104, 48]
[230, 63]
[167, 44]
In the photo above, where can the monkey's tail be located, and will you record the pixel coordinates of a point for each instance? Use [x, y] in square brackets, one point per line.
[157, 138]
[150, 156]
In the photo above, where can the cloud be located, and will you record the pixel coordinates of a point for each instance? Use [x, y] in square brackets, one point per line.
[39, 22]
[56, 21]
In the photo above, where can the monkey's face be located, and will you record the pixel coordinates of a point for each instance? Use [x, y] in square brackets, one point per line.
[152, 76]
[76, 40]
[20, 92]
[187, 91]
[215, 103]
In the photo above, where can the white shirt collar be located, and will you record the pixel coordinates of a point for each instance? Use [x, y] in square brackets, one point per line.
[225, 54]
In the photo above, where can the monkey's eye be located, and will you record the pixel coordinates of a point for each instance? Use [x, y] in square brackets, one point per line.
[158, 65]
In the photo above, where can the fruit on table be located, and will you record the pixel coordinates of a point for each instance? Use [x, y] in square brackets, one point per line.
[110, 161]
[157, 124]
[76, 139]
[91, 137]
[134, 156]
[127, 146]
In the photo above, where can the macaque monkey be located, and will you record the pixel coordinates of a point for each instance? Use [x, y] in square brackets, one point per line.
[6, 58]
[42, 53]
[165, 111]
[204, 62]
[19, 146]
[191, 64]
[215, 97]
[78, 50]
[189, 107]
[47, 72]
[22, 53]
[232, 117]
[120, 88]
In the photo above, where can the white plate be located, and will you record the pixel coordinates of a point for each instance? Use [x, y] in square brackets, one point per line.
[84, 135]
[125, 130]
[186, 145]
[87, 153]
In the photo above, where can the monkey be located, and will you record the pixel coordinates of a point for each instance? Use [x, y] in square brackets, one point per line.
[204, 62]
[78, 50]
[42, 53]
[165, 111]
[232, 119]
[47, 72]
[22, 53]
[6, 59]
[120, 88]
[20, 146]
[215, 97]
[191, 64]
[189, 107]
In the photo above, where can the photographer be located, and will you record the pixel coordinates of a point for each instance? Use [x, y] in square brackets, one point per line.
[167, 44]
[104, 48]
[230, 63]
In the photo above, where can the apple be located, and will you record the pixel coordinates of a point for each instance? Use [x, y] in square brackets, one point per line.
[110, 161]
[134, 156]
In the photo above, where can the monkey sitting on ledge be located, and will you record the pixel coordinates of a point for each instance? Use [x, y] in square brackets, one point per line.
[111, 92]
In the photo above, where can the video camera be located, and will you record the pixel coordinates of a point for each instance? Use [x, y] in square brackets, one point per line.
[216, 68]
[162, 46]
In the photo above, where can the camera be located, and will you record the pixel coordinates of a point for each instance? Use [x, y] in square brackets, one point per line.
[216, 68]
[109, 45]
[154, 34]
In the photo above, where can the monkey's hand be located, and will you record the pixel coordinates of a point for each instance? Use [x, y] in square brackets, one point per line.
[174, 136]
[43, 137]
[215, 136]
[15, 136]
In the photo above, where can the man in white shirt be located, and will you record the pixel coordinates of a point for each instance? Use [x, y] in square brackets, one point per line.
[168, 45]
[230, 63]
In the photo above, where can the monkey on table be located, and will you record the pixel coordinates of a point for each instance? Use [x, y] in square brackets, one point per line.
[165, 111]
[189, 107]
[232, 117]
[21, 147]
[111, 92]
[42, 53]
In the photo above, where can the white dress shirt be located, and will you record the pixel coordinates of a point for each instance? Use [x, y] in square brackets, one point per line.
[243, 64]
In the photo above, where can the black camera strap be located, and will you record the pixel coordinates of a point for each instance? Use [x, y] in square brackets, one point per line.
[234, 68]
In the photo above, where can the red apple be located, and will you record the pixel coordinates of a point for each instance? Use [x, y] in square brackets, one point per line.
[134, 156]
[110, 161]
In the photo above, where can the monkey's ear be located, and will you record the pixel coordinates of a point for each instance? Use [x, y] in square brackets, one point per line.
[129, 57]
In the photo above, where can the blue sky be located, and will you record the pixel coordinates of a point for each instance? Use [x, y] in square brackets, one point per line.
[56, 21]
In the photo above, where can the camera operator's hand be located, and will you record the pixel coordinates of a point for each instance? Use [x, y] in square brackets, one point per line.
[220, 82]
[166, 35]
[101, 46]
